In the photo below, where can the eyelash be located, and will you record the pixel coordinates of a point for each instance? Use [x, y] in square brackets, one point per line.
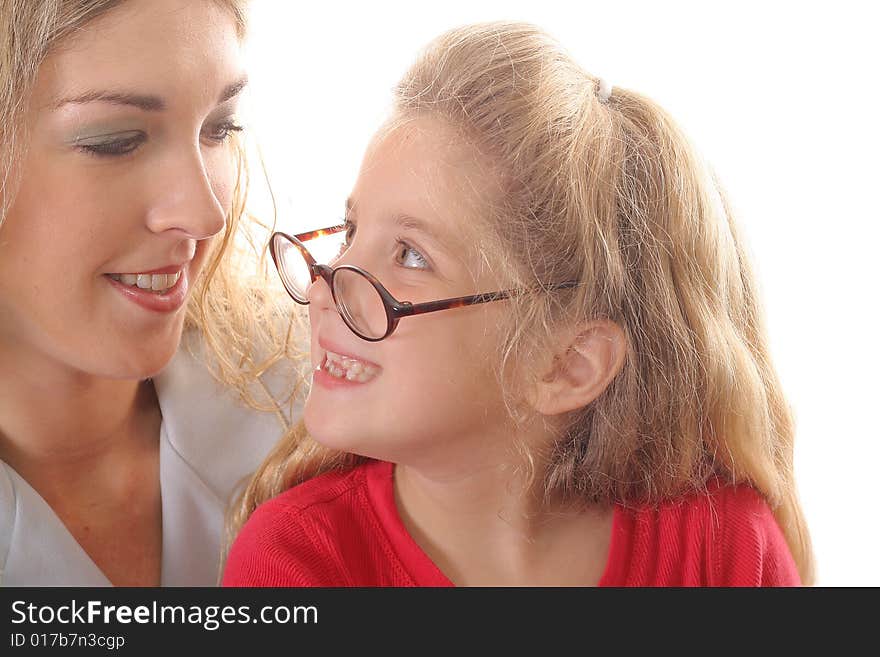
[115, 148]
[227, 128]
[122, 147]
[351, 228]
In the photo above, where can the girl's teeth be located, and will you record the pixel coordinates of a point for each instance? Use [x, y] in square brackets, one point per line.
[129, 279]
[145, 281]
[343, 367]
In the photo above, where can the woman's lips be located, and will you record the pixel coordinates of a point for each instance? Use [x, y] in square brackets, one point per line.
[167, 301]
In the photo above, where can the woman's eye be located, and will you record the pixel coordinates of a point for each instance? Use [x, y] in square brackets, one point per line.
[408, 257]
[111, 146]
[222, 131]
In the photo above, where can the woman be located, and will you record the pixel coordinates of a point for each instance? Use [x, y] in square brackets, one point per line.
[122, 192]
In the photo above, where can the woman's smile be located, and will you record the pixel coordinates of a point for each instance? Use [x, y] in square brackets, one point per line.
[161, 293]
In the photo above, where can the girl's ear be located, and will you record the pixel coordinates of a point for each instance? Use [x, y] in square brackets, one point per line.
[588, 359]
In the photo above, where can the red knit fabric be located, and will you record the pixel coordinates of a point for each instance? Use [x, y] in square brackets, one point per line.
[342, 529]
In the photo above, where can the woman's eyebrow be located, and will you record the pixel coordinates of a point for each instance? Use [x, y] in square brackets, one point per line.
[145, 102]
[232, 90]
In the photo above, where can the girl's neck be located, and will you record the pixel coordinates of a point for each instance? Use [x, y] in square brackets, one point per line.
[487, 527]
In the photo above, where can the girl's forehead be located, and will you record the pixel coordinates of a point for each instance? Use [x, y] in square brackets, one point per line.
[431, 145]
[425, 164]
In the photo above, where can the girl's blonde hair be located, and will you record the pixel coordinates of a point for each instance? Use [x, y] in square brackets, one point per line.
[607, 191]
[236, 302]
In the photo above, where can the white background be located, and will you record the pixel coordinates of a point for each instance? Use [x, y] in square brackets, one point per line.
[780, 97]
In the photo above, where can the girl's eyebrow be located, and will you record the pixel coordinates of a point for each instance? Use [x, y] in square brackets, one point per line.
[436, 238]
[145, 102]
[409, 222]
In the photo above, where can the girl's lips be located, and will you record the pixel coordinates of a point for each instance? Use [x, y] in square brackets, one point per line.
[326, 380]
[326, 345]
[349, 370]
[167, 302]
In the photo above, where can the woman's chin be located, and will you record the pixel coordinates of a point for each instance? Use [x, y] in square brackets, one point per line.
[138, 361]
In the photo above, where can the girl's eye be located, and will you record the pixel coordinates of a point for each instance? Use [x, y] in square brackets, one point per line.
[222, 131]
[344, 242]
[112, 145]
[350, 230]
[408, 257]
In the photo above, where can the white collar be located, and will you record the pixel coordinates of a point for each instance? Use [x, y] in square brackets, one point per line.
[209, 443]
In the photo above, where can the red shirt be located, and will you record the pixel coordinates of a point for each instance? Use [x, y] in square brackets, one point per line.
[343, 529]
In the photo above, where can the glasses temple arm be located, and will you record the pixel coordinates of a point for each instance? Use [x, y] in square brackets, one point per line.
[313, 234]
[406, 309]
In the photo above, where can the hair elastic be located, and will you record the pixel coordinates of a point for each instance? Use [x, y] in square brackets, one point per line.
[604, 90]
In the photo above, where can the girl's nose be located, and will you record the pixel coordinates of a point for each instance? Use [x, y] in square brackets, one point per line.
[320, 294]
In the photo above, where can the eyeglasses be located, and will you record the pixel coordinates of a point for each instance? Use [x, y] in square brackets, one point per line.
[366, 307]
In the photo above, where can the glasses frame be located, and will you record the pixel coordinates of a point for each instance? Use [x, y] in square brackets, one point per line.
[395, 310]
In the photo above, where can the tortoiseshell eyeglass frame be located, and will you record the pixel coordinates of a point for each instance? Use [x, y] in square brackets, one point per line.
[394, 310]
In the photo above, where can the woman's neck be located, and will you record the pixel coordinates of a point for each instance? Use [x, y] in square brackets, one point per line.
[89, 447]
[54, 418]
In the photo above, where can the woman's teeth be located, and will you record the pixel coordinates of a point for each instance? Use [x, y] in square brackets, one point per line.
[155, 282]
[343, 367]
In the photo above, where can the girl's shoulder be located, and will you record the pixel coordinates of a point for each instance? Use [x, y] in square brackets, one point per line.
[725, 535]
[308, 535]
[336, 489]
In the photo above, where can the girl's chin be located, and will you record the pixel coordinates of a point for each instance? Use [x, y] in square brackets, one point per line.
[329, 433]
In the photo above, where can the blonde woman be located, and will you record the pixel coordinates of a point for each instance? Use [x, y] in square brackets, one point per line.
[538, 358]
[122, 195]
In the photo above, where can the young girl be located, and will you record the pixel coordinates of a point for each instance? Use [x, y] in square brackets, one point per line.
[538, 358]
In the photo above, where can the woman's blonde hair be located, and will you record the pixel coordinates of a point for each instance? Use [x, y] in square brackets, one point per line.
[236, 302]
[607, 191]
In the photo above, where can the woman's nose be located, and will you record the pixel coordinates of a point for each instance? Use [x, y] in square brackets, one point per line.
[189, 200]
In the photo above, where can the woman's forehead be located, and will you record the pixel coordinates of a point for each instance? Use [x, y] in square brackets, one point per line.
[145, 47]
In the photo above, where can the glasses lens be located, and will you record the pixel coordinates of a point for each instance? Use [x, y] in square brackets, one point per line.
[360, 304]
[293, 268]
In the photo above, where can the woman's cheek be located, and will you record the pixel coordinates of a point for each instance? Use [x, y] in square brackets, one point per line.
[222, 166]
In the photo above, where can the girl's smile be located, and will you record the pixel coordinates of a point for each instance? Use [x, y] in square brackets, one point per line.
[336, 369]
